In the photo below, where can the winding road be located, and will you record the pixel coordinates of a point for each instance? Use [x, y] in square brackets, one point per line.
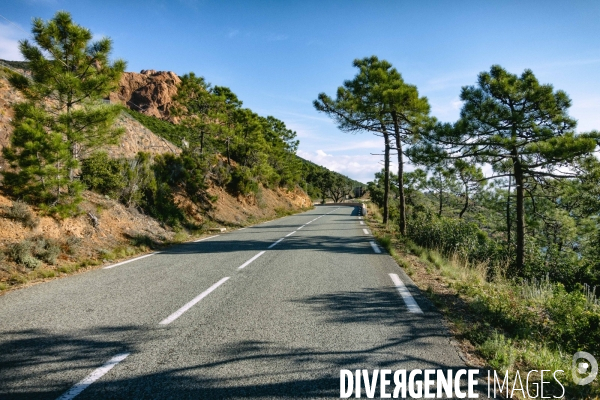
[271, 311]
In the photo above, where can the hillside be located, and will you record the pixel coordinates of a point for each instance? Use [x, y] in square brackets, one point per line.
[35, 246]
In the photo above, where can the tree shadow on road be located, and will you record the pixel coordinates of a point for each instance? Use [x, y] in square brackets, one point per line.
[238, 369]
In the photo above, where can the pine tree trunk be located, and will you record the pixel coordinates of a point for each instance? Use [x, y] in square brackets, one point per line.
[508, 220]
[73, 144]
[386, 179]
[202, 142]
[520, 215]
[441, 196]
[228, 158]
[401, 197]
[466, 202]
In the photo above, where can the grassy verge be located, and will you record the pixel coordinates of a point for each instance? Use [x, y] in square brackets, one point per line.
[500, 323]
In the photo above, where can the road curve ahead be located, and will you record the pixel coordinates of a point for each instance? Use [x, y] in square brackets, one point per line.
[272, 311]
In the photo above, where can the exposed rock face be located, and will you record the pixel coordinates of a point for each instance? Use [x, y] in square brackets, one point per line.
[138, 138]
[8, 97]
[149, 92]
[135, 139]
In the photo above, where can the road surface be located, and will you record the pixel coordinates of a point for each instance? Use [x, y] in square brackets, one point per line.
[267, 312]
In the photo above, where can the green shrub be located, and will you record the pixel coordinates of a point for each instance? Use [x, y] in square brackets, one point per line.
[19, 211]
[452, 236]
[574, 324]
[31, 252]
[144, 241]
[102, 174]
[138, 179]
[48, 250]
[21, 251]
[168, 130]
[243, 182]
[499, 351]
[386, 243]
[72, 245]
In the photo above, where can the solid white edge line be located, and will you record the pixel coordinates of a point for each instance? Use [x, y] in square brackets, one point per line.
[376, 248]
[91, 378]
[366, 231]
[275, 244]
[206, 238]
[410, 302]
[301, 227]
[241, 229]
[132, 260]
[291, 233]
[252, 259]
[191, 303]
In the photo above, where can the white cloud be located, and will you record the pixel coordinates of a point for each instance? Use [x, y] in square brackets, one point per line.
[363, 144]
[359, 167]
[10, 34]
[447, 111]
[585, 110]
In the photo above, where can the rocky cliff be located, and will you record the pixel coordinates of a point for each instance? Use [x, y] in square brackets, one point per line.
[149, 92]
[135, 139]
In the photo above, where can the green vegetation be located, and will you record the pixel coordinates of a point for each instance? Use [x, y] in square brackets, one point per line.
[63, 117]
[31, 253]
[522, 128]
[24, 65]
[535, 215]
[19, 211]
[203, 149]
[172, 132]
[512, 256]
[378, 100]
[515, 325]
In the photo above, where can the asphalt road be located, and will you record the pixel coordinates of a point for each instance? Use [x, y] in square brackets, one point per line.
[172, 326]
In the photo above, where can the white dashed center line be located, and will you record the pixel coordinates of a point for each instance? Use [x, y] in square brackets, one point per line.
[366, 231]
[252, 259]
[275, 244]
[94, 376]
[191, 303]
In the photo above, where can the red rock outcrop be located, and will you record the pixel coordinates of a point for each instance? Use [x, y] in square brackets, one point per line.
[149, 92]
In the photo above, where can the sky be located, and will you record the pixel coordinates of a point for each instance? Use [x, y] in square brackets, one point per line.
[277, 56]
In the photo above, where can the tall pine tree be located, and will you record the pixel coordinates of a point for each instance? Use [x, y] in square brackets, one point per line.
[515, 122]
[64, 116]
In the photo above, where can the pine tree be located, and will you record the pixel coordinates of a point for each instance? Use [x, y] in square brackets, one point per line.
[64, 110]
[516, 121]
[41, 160]
[378, 100]
[192, 105]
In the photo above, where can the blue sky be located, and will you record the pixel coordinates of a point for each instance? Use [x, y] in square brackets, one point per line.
[278, 55]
